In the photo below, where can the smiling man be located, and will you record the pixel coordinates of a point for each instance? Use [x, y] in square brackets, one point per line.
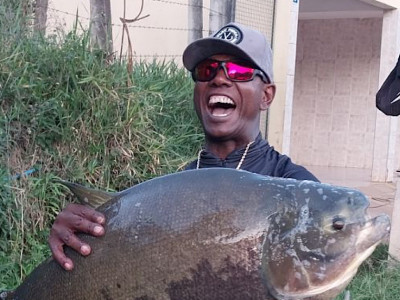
[234, 84]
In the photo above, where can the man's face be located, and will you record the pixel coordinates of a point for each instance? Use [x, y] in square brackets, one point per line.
[228, 109]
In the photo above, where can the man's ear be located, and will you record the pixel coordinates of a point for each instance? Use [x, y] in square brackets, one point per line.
[268, 95]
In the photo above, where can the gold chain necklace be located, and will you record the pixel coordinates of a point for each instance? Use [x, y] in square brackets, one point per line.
[240, 162]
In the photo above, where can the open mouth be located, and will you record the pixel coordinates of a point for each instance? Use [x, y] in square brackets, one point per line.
[221, 106]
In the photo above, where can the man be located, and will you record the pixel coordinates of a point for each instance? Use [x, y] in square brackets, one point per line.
[234, 83]
[388, 96]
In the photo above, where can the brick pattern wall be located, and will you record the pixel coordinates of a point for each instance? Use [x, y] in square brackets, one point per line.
[337, 68]
[258, 14]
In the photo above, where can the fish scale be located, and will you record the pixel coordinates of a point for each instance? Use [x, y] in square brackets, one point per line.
[216, 234]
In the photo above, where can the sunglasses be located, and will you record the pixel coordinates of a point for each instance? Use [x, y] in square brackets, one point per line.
[234, 71]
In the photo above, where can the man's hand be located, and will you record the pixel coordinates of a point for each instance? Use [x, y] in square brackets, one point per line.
[73, 219]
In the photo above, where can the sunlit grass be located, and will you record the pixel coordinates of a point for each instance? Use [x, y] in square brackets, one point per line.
[375, 280]
[67, 113]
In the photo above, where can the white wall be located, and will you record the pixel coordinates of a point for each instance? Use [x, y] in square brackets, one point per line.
[337, 72]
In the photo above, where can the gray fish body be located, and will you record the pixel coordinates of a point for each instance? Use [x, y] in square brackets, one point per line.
[218, 234]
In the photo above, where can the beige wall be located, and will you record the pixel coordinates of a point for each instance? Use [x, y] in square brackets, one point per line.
[337, 71]
[386, 4]
[163, 34]
[284, 52]
[256, 13]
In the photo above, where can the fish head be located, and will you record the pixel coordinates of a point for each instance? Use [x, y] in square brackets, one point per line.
[316, 242]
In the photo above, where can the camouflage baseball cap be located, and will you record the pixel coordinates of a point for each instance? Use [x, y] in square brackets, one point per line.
[233, 39]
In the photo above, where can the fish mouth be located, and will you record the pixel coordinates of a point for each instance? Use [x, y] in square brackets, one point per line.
[221, 106]
[341, 281]
[370, 235]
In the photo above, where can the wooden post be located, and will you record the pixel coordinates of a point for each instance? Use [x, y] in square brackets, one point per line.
[221, 13]
[100, 30]
[195, 20]
[41, 16]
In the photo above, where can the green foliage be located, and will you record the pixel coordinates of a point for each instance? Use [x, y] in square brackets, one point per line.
[26, 208]
[375, 280]
[71, 114]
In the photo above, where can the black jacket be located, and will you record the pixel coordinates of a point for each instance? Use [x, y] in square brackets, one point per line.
[261, 159]
[388, 96]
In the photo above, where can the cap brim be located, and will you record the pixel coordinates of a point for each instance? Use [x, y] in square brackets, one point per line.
[207, 47]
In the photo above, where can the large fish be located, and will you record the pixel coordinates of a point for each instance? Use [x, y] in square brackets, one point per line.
[217, 234]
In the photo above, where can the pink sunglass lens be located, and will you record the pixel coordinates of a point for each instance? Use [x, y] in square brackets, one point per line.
[237, 72]
[206, 70]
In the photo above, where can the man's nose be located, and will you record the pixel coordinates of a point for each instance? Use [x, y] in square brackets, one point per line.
[220, 77]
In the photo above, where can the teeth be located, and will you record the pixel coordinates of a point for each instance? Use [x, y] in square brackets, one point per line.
[221, 99]
[220, 115]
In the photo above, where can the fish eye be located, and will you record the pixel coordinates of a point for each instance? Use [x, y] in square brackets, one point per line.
[338, 223]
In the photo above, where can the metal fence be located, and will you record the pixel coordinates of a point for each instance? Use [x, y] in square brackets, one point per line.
[258, 14]
[164, 34]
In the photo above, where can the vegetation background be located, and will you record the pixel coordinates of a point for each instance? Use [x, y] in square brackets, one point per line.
[68, 113]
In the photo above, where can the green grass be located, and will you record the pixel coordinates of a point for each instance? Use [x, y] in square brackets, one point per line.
[375, 280]
[26, 209]
[70, 114]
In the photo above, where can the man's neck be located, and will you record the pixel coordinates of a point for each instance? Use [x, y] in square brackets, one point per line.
[222, 149]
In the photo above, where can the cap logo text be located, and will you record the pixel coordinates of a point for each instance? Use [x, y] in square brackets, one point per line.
[229, 34]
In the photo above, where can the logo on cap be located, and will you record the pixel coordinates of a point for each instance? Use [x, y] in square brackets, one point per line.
[229, 34]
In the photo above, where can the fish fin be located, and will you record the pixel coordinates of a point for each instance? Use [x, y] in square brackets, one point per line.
[88, 196]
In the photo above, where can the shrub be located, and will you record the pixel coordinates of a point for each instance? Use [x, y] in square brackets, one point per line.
[68, 113]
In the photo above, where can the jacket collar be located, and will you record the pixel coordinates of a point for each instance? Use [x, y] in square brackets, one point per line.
[208, 159]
